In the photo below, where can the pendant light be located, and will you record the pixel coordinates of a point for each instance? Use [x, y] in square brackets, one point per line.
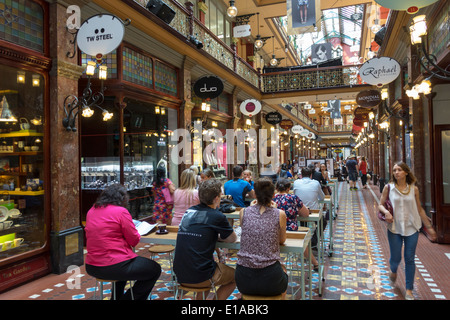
[273, 62]
[258, 43]
[232, 10]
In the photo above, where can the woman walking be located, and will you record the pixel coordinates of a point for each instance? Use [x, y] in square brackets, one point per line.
[403, 227]
[363, 168]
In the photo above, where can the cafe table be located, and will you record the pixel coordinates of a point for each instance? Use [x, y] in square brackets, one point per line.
[316, 218]
[335, 191]
[296, 243]
[330, 204]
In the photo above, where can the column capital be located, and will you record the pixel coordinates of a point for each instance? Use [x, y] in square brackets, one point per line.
[66, 69]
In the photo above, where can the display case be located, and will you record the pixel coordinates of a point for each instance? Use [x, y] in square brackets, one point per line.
[100, 172]
[21, 192]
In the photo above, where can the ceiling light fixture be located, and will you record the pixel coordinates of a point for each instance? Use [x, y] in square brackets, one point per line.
[232, 10]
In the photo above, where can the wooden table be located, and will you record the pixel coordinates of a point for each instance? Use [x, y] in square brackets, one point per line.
[295, 244]
[316, 217]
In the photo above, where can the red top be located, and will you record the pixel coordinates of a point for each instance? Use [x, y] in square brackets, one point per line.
[363, 167]
[110, 236]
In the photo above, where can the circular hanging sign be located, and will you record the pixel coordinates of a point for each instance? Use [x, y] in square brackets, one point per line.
[304, 132]
[208, 87]
[379, 71]
[411, 6]
[286, 124]
[100, 34]
[368, 98]
[311, 136]
[250, 107]
[297, 129]
[273, 118]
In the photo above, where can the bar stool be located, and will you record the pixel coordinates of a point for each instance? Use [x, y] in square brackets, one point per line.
[250, 297]
[196, 291]
[113, 283]
[159, 249]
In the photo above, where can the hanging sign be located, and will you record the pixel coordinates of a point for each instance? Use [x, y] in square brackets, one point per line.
[286, 124]
[410, 6]
[273, 118]
[361, 114]
[297, 129]
[208, 87]
[379, 71]
[242, 31]
[368, 98]
[100, 34]
[250, 107]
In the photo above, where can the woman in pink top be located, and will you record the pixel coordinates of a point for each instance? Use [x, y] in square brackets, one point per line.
[185, 196]
[110, 236]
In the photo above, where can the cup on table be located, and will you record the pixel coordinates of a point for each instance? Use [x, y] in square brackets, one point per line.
[15, 215]
[7, 245]
[162, 228]
[5, 225]
[18, 242]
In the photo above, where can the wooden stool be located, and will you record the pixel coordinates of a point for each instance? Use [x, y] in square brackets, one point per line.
[113, 283]
[195, 290]
[249, 297]
[158, 249]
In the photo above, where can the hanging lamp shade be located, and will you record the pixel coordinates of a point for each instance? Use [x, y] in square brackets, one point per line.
[411, 6]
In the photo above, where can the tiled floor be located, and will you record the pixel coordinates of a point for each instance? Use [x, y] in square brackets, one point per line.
[357, 268]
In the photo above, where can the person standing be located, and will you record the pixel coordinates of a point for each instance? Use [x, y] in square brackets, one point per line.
[258, 269]
[199, 230]
[110, 236]
[363, 168]
[352, 168]
[162, 211]
[403, 227]
[185, 196]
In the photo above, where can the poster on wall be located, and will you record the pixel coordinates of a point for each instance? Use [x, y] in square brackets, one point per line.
[314, 161]
[302, 16]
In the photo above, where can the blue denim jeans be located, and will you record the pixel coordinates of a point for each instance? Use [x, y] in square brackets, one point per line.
[396, 242]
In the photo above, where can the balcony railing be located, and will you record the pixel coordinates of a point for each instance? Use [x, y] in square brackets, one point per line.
[314, 78]
[186, 24]
[335, 128]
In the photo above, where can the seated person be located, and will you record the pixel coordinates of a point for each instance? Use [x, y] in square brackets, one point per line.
[185, 196]
[200, 228]
[110, 236]
[308, 189]
[258, 269]
[238, 188]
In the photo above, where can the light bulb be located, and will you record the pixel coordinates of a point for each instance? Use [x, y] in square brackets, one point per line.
[90, 68]
[106, 115]
[232, 10]
[273, 61]
[103, 72]
[258, 42]
[87, 112]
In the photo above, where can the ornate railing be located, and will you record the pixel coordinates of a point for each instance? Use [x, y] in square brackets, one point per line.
[314, 78]
[335, 128]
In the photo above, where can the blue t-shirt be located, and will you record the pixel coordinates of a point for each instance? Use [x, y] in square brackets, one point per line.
[237, 188]
[351, 165]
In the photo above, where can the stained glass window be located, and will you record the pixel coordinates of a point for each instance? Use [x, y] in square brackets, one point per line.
[137, 68]
[22, 23]
[165, 79]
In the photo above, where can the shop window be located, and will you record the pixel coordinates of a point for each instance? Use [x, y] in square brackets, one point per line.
[22, 176]
[22, 23]
[146, 145]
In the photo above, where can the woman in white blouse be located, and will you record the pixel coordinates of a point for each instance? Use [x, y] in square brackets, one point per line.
[404, 226]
